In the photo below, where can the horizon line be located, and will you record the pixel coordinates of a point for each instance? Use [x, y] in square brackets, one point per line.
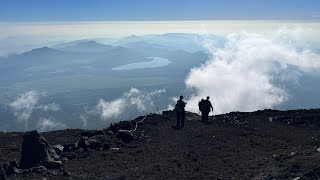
[161, 21]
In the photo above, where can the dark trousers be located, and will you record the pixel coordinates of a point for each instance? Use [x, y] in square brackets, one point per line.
[180, 119]
[205, 116]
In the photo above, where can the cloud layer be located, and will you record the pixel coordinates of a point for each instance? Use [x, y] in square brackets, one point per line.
[248, 73]
[141, 101]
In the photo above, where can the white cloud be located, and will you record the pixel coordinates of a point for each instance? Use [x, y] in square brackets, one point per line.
[133, 99]
[27, 103]
[242, 75]
[49, 107]
[48, 124]
[24, 105]
[110, 109]
[84, 120]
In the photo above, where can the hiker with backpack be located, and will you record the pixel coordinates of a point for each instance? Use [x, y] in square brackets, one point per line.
[205, 107]
[179, 108]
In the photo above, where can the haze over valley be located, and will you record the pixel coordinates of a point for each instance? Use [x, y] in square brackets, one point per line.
[91, 82]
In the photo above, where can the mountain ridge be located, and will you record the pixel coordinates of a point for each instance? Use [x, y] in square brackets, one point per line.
[265, 144]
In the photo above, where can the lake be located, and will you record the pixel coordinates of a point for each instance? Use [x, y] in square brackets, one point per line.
[154, 63]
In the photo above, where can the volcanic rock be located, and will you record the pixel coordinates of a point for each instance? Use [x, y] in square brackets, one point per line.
[125, 135]
[71, 156]
[37, 151]
[12, 168]
[237, 145]
[53, 164]
[122, 125]
[2, 174]
[58, 148]
[70, 147]
[91, 133]
[89, 143]
[39, 169]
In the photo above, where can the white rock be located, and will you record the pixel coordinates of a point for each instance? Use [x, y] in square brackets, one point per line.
[293, 153]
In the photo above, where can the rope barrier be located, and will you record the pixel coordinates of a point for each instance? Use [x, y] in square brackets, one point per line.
[136, 126]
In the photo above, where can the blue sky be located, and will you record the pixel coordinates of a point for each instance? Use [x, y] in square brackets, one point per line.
[155, 10]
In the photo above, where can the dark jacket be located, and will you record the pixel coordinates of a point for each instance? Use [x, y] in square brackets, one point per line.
[206, 106]
[180, 106]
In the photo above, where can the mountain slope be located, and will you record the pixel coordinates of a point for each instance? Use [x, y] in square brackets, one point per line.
[259, 145]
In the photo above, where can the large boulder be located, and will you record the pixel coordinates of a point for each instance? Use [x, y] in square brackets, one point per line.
[36, 151]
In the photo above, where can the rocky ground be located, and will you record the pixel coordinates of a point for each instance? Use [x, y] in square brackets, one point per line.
[259, 145]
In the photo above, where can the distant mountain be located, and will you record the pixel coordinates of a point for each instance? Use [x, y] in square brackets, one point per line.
[73, 43]
[87, 47]
[34, 57]
[15, 67]
[173, 41]
[66, 44]
[90, 57]
[134, 38]
[142, 45]
[41, 51]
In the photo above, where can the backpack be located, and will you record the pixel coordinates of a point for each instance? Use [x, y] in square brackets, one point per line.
[200, 105]
[180, 106]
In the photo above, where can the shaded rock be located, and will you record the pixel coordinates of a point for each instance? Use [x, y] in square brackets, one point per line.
[125, 136]
[122, 125]
[106, 146]
[39, 169]
[58, 148]
[312, 173]
[91, 133]
[53, 164]
[89, 143]
[11, 168]
[66, 173]
[70, 147]
[2, 174]
[5, 166]
[110, 133]
[71, 156]
[36, 151]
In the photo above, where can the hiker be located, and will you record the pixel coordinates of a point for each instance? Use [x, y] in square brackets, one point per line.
[179, 108]
[205, 107]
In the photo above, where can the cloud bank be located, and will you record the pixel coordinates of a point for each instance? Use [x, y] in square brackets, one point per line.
[141, 101]
[247, 74]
